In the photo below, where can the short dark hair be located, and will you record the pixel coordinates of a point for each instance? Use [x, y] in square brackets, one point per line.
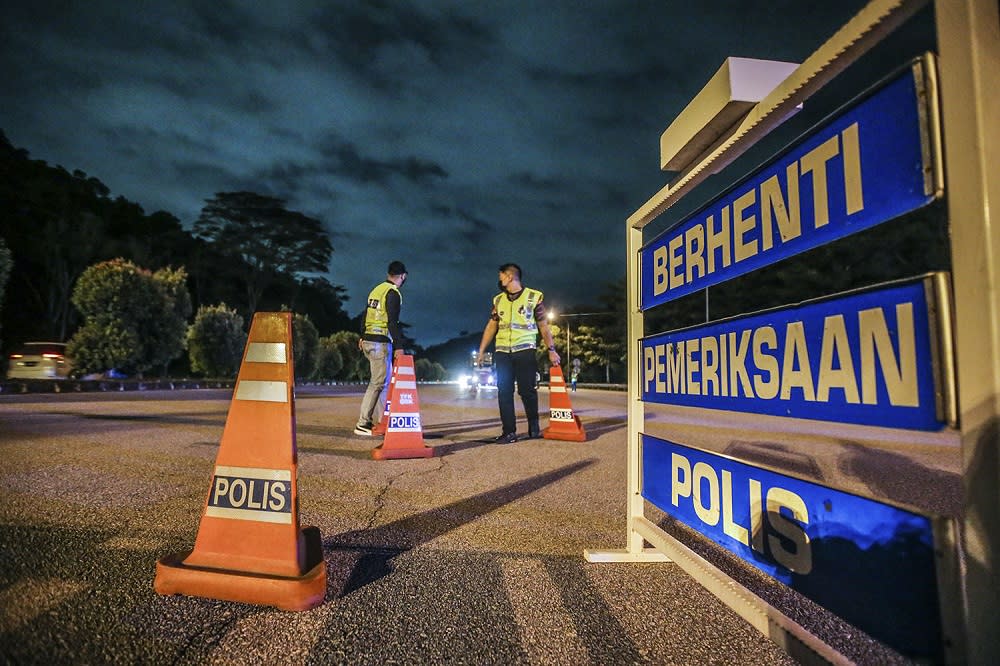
[396, 268]
[511, 267]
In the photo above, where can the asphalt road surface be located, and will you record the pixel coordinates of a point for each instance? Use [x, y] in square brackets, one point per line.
[473, 556]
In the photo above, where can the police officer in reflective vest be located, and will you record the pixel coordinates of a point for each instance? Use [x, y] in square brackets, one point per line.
[518, 314]
[381, 333]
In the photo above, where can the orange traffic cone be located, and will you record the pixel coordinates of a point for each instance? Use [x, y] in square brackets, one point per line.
[249, 546]
[404, 436]
[563, 423]
[379, 428]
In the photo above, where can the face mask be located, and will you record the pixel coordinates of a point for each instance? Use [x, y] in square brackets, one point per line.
[500, 285]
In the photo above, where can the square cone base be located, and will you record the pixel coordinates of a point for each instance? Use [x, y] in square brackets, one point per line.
[382, 453]
[296, 593]
[572, 432]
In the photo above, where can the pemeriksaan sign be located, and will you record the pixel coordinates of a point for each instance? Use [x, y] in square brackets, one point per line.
[876, 356]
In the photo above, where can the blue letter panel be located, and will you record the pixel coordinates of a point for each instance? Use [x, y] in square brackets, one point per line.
[861, 169]
[868, 562]
[865, 357]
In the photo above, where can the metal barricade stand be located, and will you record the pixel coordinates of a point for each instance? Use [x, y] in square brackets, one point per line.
[957, 100]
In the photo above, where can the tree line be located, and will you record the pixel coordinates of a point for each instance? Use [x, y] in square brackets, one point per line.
[56, 223]
[85, 267]
[248, 252]
[245, 252]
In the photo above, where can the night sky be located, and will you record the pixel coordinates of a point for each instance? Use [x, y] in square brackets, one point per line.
[451, 135]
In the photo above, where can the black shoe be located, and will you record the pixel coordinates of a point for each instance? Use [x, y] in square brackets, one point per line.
[506, 438]
[534, 434]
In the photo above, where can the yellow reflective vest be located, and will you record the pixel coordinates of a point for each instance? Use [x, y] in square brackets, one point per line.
[376, 316]
[517, 329]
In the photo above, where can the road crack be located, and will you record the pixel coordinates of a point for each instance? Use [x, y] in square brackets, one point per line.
[380, 498]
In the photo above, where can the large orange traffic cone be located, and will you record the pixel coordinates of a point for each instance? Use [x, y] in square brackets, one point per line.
[249, 546]
[383, 422]
[563, 423]
[404, 435]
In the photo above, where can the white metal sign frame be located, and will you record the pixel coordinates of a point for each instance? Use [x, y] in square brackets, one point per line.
[968, 33]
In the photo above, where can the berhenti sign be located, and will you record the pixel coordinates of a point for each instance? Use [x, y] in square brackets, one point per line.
[868, 165]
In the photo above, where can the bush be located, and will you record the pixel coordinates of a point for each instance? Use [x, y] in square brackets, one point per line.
[172, 328]
[330, 362]
[216, 341]
[133, 319]
[355, 366]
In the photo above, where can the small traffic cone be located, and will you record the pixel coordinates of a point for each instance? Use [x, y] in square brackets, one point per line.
[563, 423]
[379, 428]
[403, 436]
[249, 546]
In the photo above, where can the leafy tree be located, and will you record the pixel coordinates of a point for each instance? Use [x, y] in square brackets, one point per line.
[58, 223]
[428, 371]
[5, 265]
[355, 366]
[305, 347]
[324, 303]
[330, 361]
[596, 350]
[216, 341]
[154, 240]
[542, 352]
[130, 318]
[54, 230]
[268, 238]
[600, 343]
[171, 331]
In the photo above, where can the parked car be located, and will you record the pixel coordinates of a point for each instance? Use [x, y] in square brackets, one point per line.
[39, 360]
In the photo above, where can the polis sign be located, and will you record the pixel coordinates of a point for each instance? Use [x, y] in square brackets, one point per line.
[817, 540]
[249, 493]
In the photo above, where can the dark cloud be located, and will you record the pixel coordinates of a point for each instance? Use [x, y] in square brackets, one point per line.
[360, 34]
[452, 135]
[345, 160]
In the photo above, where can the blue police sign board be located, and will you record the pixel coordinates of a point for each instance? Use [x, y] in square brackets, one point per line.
[870, 563]
[867, 357]
[866, 166]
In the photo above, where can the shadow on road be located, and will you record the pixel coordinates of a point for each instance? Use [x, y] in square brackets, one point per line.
[598, 427]
[380, 544]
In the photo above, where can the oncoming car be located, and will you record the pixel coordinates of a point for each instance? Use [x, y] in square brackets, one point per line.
[39, 360]
[482, 376]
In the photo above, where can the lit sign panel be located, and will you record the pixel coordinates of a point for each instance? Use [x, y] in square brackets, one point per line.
[865, 167]
[869, 357]
[870, 563]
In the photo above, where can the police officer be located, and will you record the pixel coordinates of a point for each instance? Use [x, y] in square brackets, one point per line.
[518, 314]
[381, 333]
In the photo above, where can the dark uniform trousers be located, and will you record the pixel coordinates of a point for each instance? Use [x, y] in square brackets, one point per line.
[520, 367]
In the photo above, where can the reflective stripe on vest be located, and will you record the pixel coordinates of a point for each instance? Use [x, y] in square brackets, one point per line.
[376, 316]
[517, 329]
